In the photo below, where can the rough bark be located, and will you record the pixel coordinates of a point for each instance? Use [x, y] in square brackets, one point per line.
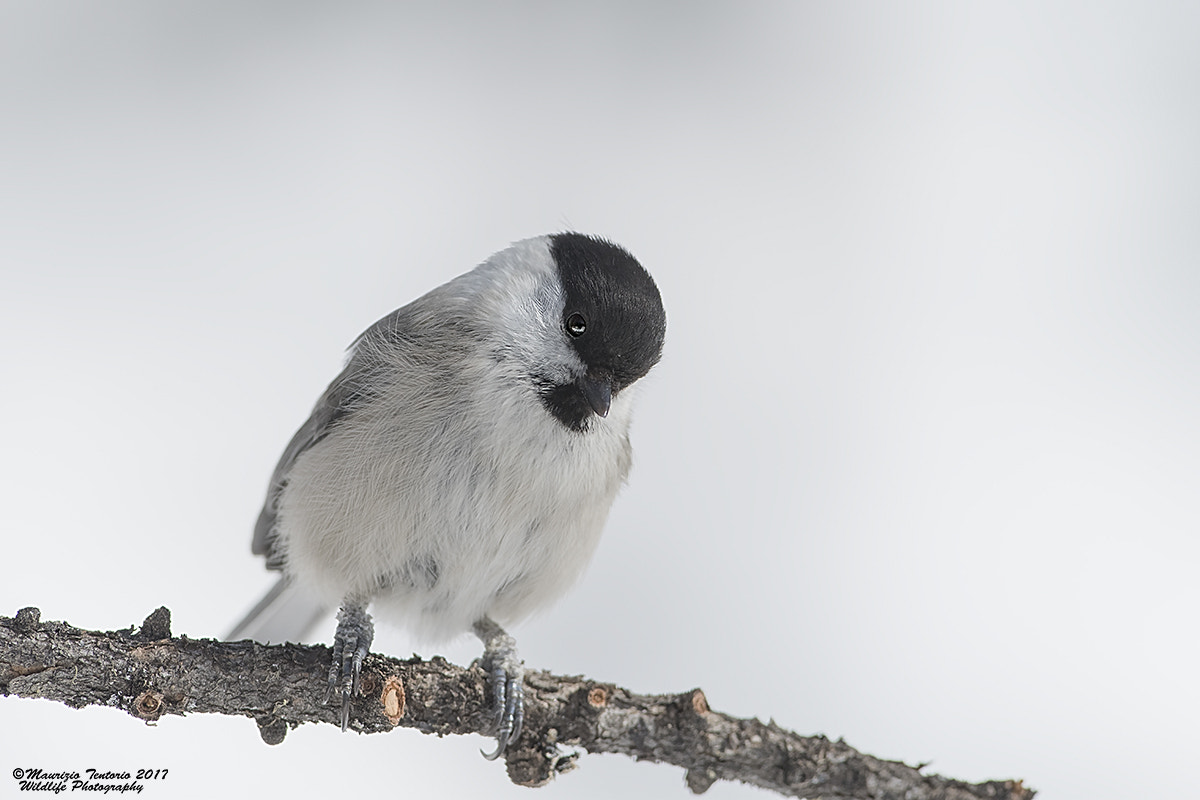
[147, 673]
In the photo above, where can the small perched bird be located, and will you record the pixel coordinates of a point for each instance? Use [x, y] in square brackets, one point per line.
[458, 472]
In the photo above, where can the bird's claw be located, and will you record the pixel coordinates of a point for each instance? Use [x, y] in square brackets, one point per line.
[508, 683]
[508, 691]
[351, 644]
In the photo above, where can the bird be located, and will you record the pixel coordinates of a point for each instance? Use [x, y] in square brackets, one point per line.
[456, 475]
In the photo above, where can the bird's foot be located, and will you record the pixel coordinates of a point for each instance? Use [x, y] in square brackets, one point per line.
[507, 673]
[351, 644]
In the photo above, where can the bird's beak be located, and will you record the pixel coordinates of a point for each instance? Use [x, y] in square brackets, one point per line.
[597, 390]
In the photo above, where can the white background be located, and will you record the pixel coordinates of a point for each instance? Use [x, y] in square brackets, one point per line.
[918, 469]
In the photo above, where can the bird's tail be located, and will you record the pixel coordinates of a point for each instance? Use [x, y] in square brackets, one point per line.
[287, 613]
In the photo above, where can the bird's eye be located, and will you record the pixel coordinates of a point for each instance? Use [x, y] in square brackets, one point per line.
[576, 325]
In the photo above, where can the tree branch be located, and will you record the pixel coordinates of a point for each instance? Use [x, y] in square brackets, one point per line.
[147, 673]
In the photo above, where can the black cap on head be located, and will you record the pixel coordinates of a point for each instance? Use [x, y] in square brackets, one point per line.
[616, 301]
[613, 317]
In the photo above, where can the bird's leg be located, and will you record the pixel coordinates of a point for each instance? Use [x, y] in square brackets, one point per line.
[351, 644]
[508, 672]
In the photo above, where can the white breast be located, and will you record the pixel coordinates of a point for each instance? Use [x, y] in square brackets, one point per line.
[440, 507]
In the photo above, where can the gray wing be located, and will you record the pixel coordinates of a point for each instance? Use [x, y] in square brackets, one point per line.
[366, 372]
